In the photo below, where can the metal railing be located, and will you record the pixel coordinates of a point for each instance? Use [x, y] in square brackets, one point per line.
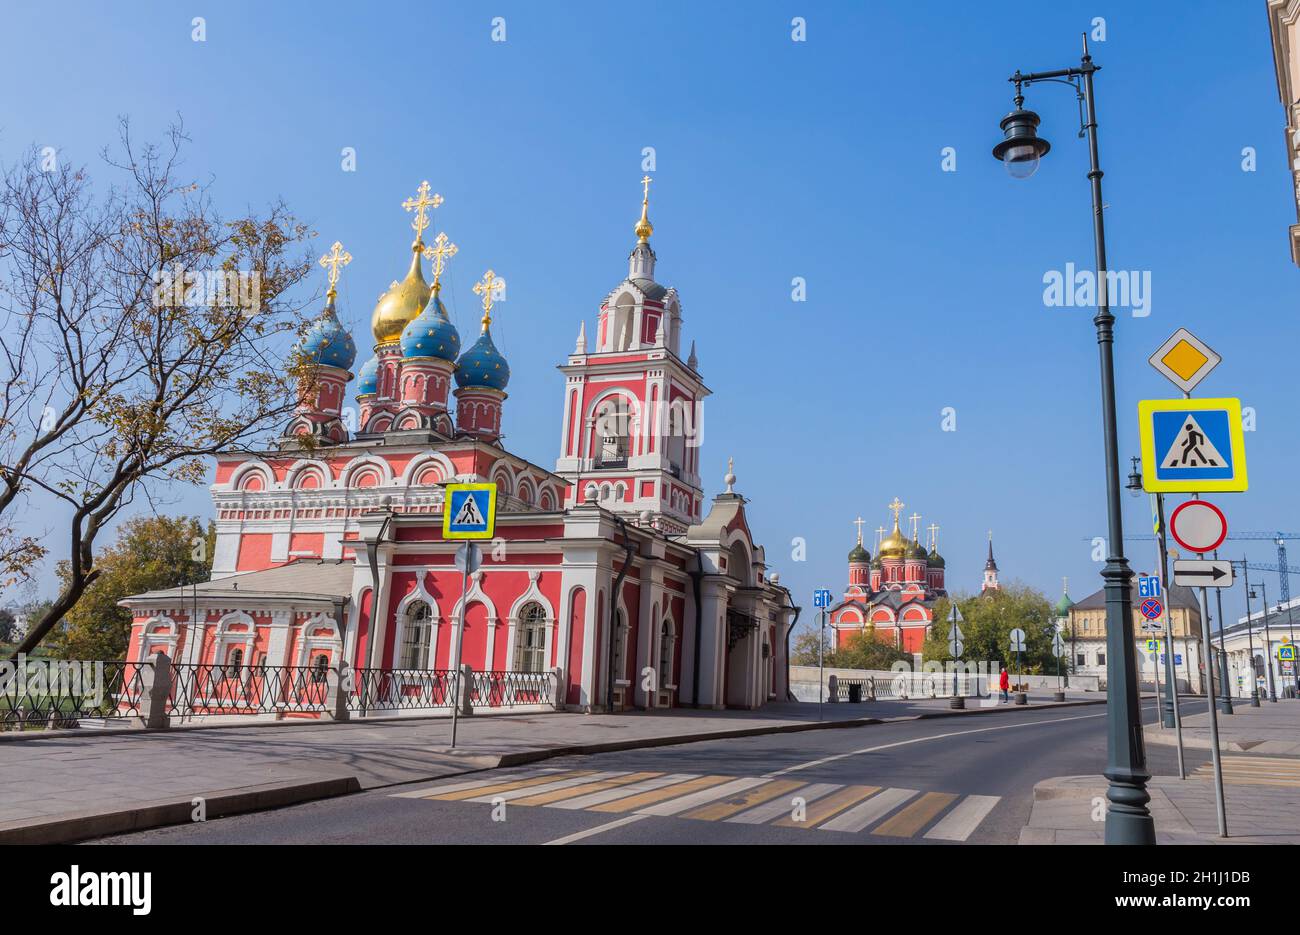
[904, 685]
[375, 690]
[50, 693]
[502, 689]
[199, 690]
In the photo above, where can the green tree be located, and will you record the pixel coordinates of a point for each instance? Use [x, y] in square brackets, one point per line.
[804, 650]
[864, 650]
[987, 622]
[151, 552]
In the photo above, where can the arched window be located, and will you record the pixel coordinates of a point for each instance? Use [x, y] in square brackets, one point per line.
[319, 667]
[530, 638]
[234, 663]
[613, 428]
[667, 644]
[620, 645]
[415, 636]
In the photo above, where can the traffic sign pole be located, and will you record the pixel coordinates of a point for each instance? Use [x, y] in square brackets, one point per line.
[1225, 695]
[1207, 648]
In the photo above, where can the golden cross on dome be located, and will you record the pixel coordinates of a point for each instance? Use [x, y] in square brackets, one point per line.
[441, 251]
[915, 518]
[489, 287]
[643, 227]
[897, 507]
[880, 534]
[934, 535]
[332, 261]
[420, 205]
[645, 186]
[858, 522]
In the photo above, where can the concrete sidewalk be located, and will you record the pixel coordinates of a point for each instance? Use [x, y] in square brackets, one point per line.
[69, 785]
[1260, 749]
[1272, 729]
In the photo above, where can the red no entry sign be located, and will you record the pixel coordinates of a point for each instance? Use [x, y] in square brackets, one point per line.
[1198, 526]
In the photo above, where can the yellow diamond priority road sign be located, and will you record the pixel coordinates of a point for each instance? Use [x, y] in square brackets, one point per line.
[1185, 359]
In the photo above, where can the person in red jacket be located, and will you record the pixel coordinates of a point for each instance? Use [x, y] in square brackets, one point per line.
[1004, 683]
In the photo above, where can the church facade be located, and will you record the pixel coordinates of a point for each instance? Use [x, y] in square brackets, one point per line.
[892, 595]
[610, 571]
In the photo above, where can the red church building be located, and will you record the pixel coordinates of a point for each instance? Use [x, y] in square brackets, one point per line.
[610, 573]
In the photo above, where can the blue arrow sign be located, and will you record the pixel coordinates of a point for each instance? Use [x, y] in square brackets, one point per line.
[1148, 586]
[822, 597]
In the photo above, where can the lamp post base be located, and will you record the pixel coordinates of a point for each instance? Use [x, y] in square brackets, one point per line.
[1225, 705]
[957, 701]
[1022, 698]
[1254, 700]
[1058, 696]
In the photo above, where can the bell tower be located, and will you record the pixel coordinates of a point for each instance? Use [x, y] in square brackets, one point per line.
[633, 408]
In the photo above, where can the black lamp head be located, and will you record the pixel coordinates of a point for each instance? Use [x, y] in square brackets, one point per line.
[1023, 148]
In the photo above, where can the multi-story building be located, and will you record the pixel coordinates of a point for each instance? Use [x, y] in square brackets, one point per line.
[1284, 25]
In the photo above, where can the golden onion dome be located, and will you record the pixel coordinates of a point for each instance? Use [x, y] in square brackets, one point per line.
[893, 545]
[401, 303]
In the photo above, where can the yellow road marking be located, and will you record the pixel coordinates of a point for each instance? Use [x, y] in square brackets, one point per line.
[829, 806]
[507, 786]
[559, 795]
[738, 803]
[660, 795]
[916, 816]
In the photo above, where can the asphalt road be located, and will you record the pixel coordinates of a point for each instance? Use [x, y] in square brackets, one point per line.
[919, 782]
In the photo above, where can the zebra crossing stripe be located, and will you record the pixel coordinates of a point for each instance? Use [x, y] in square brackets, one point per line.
[659, 795]
[636, 788]
[558, 795]
[870, 811]
[463, 794]
[511, 795]
[735, 804]
[958, 824]
[782, 806]
[828, 806]
[916, 816]
[427, 791]
[678, 805]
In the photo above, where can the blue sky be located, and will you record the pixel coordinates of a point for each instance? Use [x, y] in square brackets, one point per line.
[775, 159]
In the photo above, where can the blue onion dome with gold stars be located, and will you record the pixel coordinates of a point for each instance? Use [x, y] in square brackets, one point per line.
[368, 377]
[431, 334]
[483, 365]
[858, 555]
[328, 342]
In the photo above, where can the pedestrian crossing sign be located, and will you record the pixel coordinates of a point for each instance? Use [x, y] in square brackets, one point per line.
[1192, 445]
[469, 511]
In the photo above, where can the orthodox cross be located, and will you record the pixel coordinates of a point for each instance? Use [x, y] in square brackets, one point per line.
[420, 205]
[934, 535]
[880, 534]
[333, 261]
[490, 286]
[441, 251]
[858, 522]
[897, 507]
[915, 518]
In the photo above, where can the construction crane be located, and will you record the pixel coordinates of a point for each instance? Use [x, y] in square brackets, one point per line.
[1282, 569]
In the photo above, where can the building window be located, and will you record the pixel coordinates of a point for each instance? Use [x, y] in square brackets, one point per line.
[415, 636]
[1101, 659]
[667, 644]
[234, 662]
[620, 645]
[613, 425]
[319, 667]
[1083, 659]
[530, 638]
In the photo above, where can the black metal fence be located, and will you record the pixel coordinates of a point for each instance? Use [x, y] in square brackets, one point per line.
[199, 690]
[501, 689]
[43, 693]
[378, 690]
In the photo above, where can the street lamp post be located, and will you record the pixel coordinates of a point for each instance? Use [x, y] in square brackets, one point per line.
[1250, 639]
[1225, 697]
[1268, 647]
[1128, 821]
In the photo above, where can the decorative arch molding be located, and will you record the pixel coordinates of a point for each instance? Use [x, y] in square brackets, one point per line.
[500, 473]
[421, 464]
[240, 477]
[362, 462]
[419, 595]
[226, 638]
[311, 642]
[160, 629]
[305, 467]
